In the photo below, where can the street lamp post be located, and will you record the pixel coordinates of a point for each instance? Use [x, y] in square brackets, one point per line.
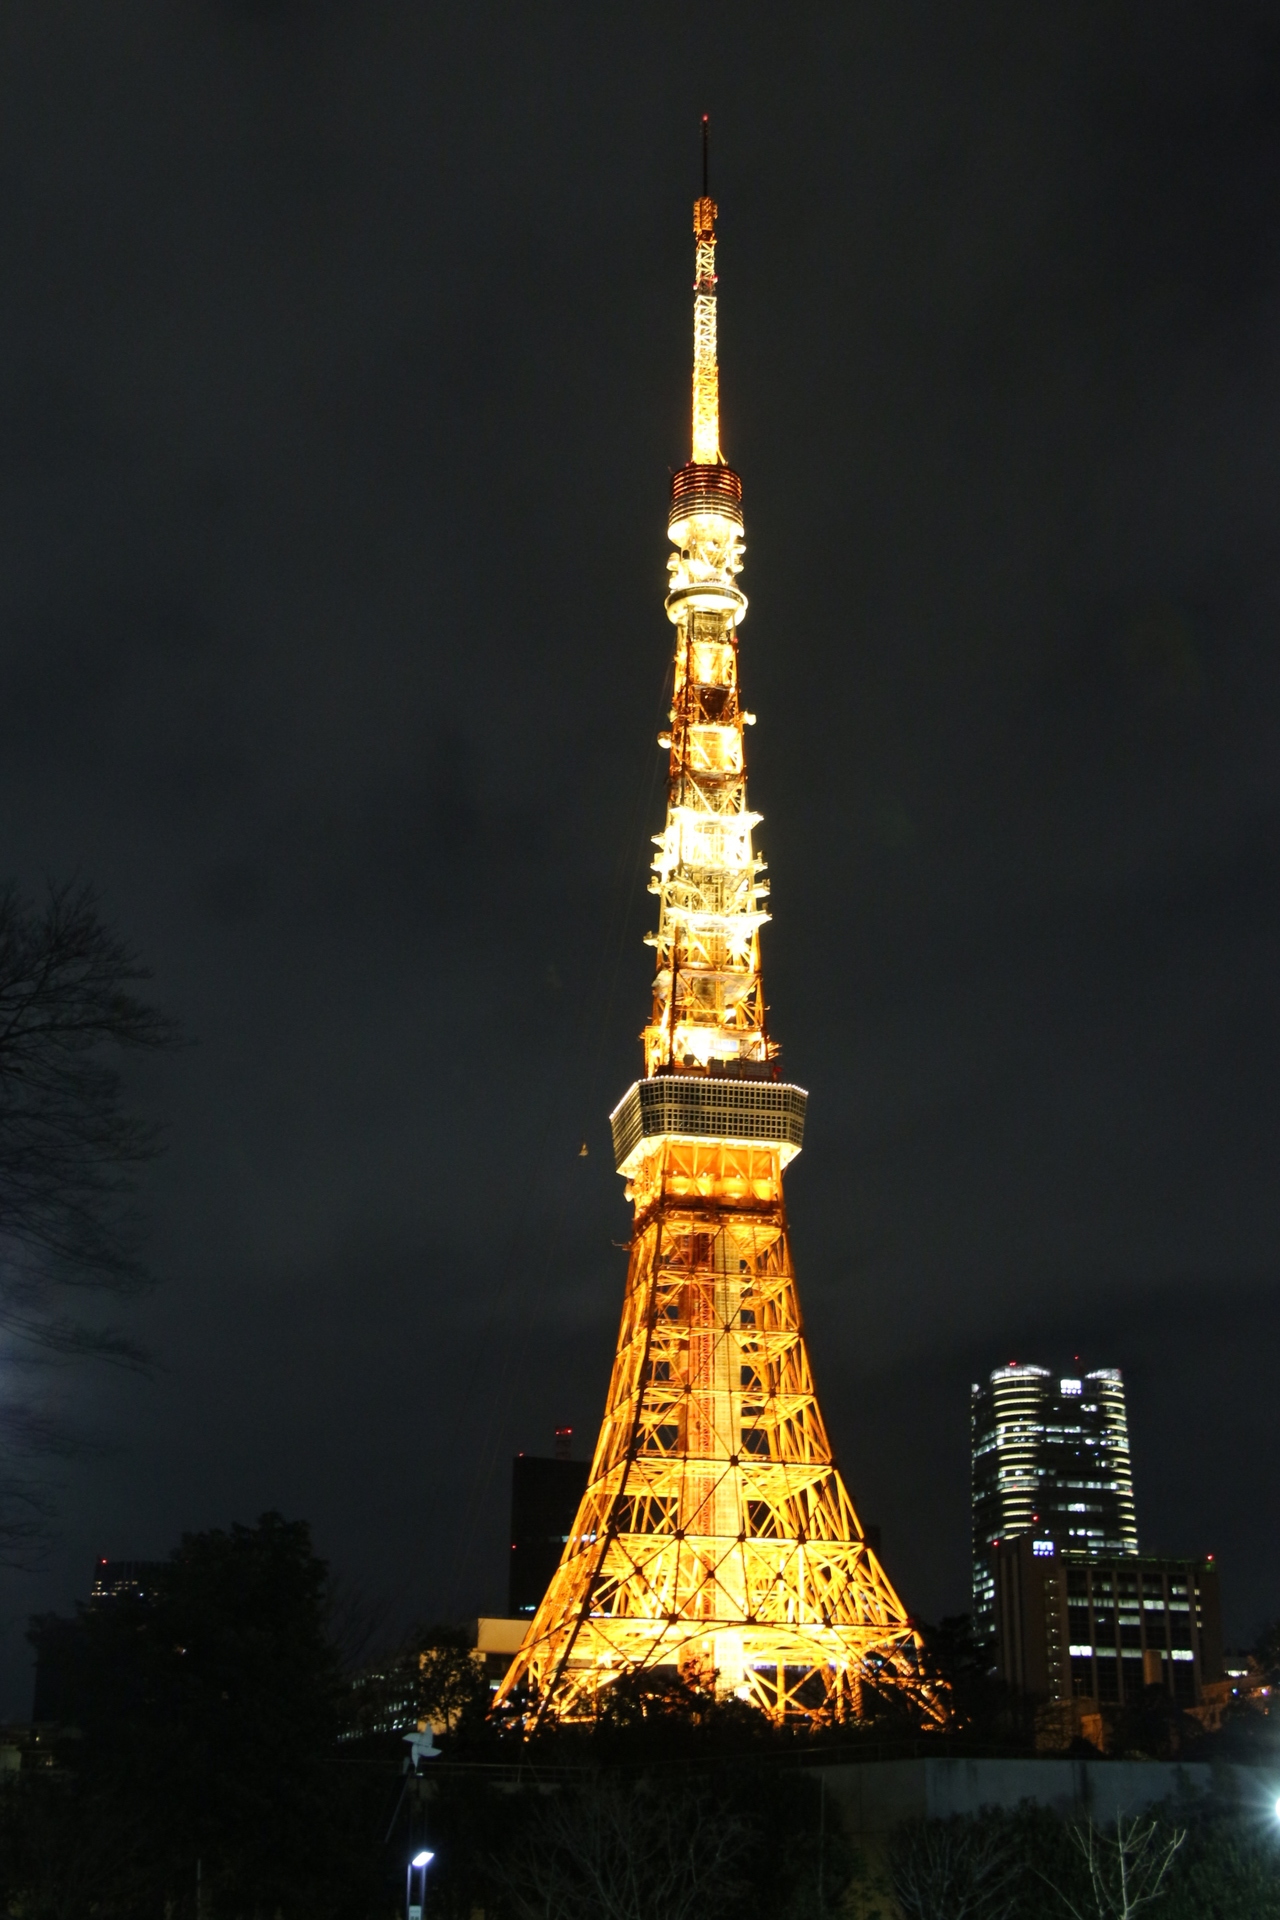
[419, 1864]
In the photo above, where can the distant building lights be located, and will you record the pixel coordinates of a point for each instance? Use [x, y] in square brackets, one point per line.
[1050, 1453]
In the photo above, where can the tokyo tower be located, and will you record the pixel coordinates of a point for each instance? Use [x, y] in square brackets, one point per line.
[716, 1535]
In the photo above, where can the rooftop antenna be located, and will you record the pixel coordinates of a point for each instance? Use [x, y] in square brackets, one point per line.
[706, 138]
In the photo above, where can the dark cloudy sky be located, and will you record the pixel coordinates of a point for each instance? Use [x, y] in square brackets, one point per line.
[343, 358]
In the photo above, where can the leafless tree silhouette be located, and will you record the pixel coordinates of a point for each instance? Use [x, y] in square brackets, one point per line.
[953, 1870]
[624, 1850]
[1125, 1873]
[69, 1149]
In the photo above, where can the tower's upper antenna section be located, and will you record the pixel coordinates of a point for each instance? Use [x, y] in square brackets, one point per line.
[705, 491]
[706, 372]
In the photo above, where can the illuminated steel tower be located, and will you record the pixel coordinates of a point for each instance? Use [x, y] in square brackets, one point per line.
[715, 1534]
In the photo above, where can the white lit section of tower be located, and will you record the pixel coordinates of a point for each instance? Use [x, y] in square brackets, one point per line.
[708, 1001]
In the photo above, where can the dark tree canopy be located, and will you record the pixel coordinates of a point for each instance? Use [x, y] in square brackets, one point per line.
[206, 1715]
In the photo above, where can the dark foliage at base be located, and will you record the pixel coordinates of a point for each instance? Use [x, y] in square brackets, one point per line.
[214, 1762]
[681, 1843]
[202, 1728]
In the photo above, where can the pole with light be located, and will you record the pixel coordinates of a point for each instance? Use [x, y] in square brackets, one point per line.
[419, 1864]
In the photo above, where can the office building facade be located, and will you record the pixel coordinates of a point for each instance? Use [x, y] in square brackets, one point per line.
[1100, 1629]
[133, 1579]
[1050, 1455]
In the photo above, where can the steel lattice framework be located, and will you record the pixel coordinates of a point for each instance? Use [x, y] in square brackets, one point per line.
[716, 1533]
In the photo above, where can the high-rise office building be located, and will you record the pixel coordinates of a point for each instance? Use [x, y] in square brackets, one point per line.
[1050, 1455]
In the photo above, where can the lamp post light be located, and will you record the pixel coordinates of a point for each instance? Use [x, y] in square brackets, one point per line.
[419, 1864]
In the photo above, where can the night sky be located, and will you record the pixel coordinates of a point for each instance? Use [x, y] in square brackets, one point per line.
[343, 361]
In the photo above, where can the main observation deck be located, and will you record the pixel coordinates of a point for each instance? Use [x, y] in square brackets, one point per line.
[695, 1106]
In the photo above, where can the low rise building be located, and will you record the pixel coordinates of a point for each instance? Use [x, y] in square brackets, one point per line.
[1099, 1630]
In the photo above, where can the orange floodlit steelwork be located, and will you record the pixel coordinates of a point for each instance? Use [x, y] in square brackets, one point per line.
[715, 1535]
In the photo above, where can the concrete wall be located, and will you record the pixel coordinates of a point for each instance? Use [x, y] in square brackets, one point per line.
[875, 1795]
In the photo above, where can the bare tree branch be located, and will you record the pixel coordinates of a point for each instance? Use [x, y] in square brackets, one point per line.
[958, 1869]
[70, 1151]
[1127, 1873]
[622, 1850]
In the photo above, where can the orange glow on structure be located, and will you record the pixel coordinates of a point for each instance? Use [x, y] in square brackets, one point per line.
[715, 1535]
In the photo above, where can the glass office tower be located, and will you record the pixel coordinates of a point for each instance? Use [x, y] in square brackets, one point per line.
[1050, 1456]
